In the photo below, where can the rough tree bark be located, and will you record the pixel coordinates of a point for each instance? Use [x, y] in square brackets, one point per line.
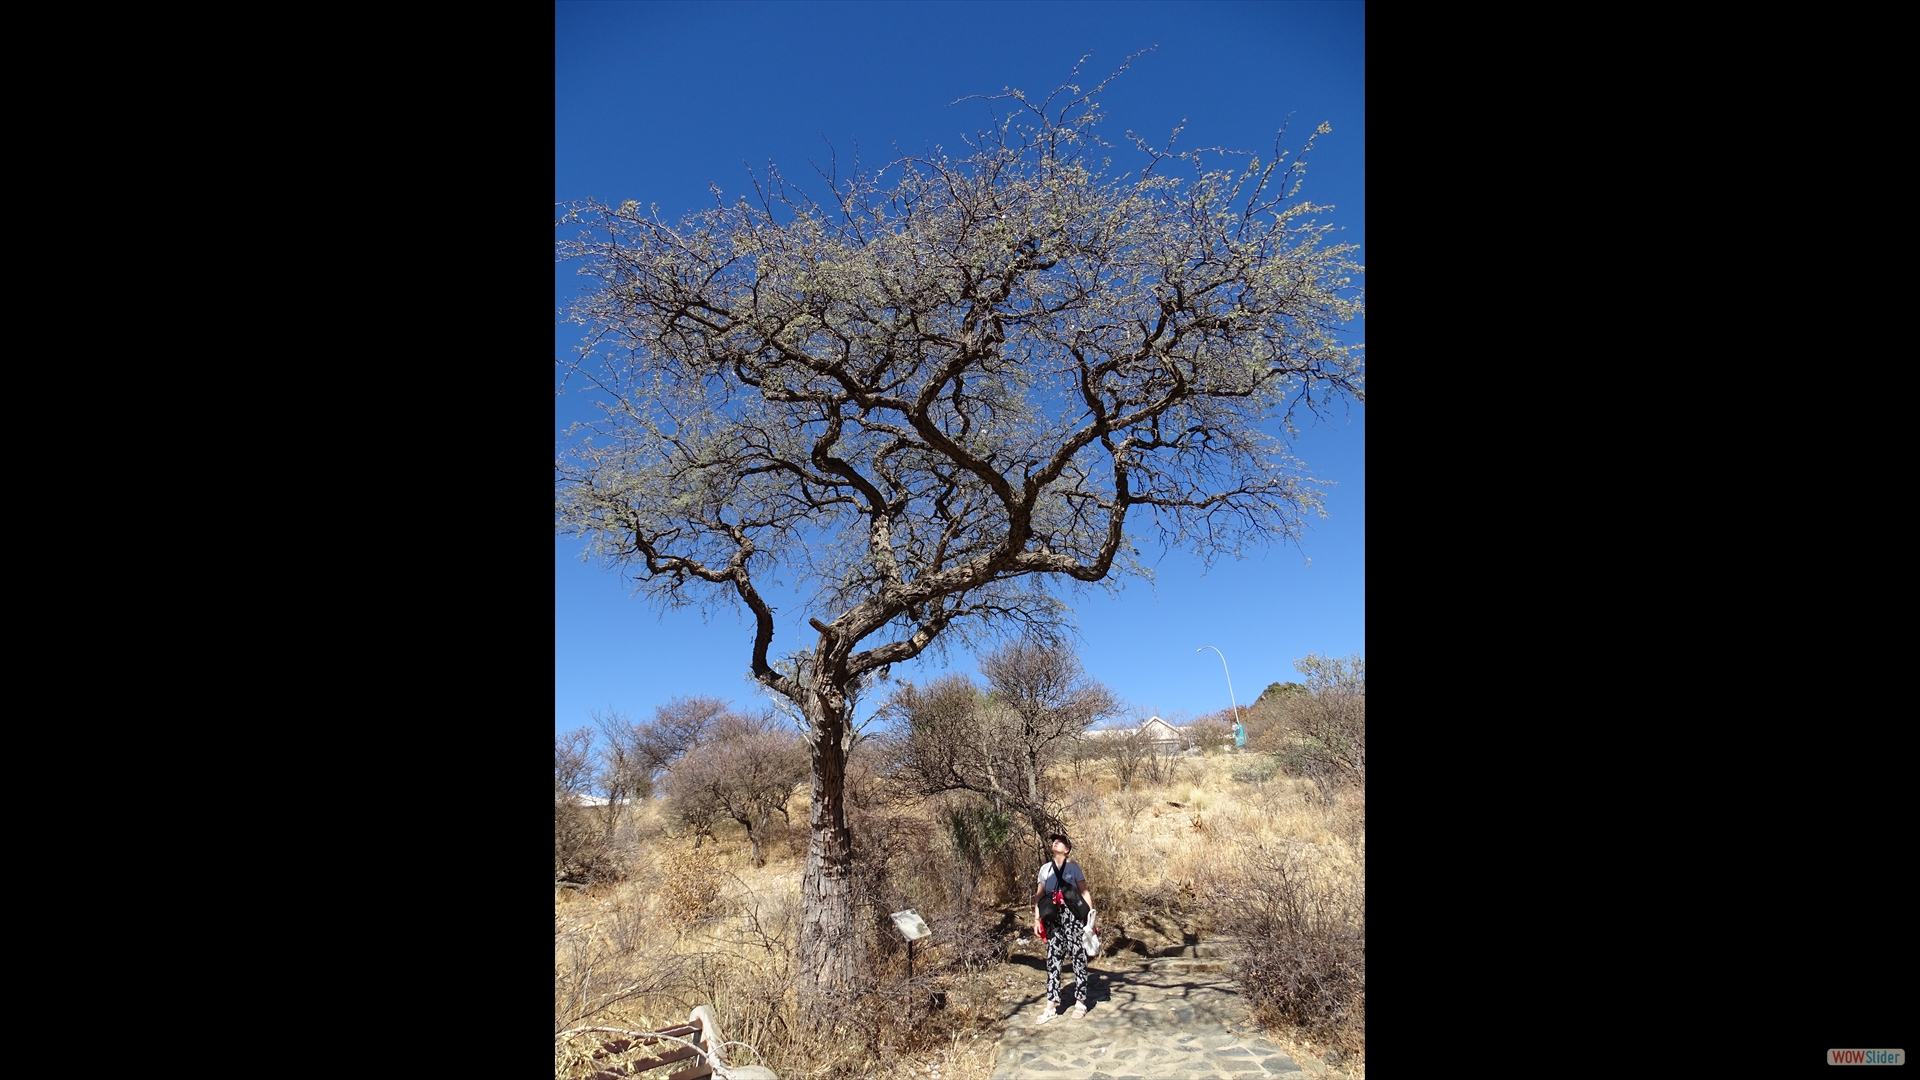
[831, 949]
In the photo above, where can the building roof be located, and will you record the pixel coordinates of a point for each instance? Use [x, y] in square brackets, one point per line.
[594, 800]
[1159, 729]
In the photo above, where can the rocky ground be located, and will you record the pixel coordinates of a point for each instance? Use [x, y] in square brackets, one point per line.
[1175, 1015]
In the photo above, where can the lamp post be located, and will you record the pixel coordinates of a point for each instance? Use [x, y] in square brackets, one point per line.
[1230, 697]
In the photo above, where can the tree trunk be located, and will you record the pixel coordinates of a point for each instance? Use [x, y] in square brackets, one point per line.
[614, 794]
[830, 945]
[755, 835]
[1037, 815]
[745, 818]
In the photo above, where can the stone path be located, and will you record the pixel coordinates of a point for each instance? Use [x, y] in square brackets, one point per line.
[1170, 1018]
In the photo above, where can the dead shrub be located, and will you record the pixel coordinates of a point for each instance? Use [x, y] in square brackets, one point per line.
[1131, 804]
[1210, 734]
[968, 938]
[688, 887]
[581, 849]
[579, 838]
[1297, 919]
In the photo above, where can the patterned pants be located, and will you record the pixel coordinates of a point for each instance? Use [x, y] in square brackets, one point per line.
[1066, 936]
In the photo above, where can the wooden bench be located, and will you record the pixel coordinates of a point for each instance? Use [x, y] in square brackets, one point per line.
[698, 1040]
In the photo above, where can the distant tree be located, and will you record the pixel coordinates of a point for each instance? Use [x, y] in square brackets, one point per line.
[1210, 733]
[1129, 751]
[1321, 733]
[1000, 743]
[624, 772]
[748, 769]
[951, 737]
[691, 806]
[677, 727]
[635, 755]
[576, 836]
[572, 763]
[1279, 689]
[955, 381]
[1339, 675]
[1054, 701]
[1081, 751]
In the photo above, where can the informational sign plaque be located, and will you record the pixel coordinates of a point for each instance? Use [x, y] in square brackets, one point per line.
[912, 926]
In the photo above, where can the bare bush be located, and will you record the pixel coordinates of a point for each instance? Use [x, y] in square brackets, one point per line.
[687, 888]
[1209, 734]
[748, 769]
[1003, 744]
[969, 938]
[1256, 769]
[572, 762]
[739, 959]
[890, 858]
[1131, 804]
[579, 842]
[693, 812]
[1082, 752]
[607, 960]
[1162, 762]
[1128, 752]
[1297, 919]
[1320, 733]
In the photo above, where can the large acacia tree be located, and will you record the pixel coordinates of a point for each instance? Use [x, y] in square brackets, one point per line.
[932, 397]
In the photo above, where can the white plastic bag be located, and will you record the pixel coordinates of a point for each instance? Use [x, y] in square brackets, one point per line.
[1092, 940]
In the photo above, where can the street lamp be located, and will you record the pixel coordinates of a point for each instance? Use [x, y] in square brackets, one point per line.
[1230, 697]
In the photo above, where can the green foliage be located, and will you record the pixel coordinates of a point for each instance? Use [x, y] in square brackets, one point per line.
[976, 830]
[1328, 674]
[1256, 768]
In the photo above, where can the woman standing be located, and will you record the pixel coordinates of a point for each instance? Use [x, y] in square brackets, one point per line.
[1062, 914]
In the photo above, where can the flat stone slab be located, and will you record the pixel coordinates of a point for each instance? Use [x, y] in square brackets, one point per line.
[1141, 1023]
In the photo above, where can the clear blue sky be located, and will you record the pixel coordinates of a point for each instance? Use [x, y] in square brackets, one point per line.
[652, 101]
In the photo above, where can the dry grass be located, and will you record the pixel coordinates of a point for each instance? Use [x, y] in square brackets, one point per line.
[1142, 851]
[703, 926]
